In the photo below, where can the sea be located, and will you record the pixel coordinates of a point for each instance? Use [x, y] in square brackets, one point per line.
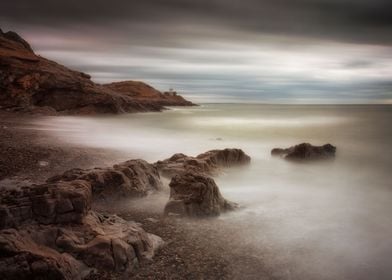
[317, 220]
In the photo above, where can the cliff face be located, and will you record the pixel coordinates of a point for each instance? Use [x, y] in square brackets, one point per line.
[29, 82]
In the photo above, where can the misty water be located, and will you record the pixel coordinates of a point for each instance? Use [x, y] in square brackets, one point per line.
[324, 220]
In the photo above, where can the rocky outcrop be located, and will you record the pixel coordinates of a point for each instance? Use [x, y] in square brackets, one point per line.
[49, 231]
[71, 251]
[145, 93]
[196, 195]
[306, 151]
[192, 191]
[56, 203]
[133, 178]
[29, 82]
[207, 163]
[23, 258]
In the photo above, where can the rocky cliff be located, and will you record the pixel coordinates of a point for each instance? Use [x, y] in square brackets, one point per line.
[29, 82]
[145, 93]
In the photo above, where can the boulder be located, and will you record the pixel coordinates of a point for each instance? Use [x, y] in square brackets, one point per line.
[133, 178]
[306, 151]
[207, 163]
[196, 195]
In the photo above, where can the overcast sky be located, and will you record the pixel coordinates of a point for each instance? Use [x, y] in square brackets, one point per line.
[277, 51]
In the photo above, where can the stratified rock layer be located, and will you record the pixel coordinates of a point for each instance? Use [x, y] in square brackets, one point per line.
[306, 151]
[61, 202]
[50, 232]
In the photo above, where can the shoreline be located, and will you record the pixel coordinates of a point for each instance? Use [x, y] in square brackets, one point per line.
[188, 253]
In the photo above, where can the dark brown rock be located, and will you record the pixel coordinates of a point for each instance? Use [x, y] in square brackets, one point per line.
[306, 151]
[69, 251]
[49, 232]
[207, 163]
[196, 196]
[22, 258]
[132, 178]
[61, 202]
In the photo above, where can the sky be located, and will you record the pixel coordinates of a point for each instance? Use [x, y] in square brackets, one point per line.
[276, 51]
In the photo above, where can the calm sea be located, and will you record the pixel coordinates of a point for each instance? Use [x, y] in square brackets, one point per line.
[329, 220]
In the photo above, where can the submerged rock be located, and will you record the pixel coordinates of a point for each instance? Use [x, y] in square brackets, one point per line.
[196, 195]
[306, 151]
[207, 163]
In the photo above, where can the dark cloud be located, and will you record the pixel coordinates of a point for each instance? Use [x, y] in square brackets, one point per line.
[282, 50]
[347, 20]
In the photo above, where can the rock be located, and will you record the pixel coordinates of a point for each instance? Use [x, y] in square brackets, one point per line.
[133, 178]
[306, 151]
[49, 231]
[61, 202]
[31, 83]
[196, 196]
[206, 163]
[226, 157]
[63, 252]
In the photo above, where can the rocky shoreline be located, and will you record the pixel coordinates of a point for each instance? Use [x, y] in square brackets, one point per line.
[33, 84]
[53, 228]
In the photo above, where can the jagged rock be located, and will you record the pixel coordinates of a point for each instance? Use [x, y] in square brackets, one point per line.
[130, 179]
[61, 202]
[206, 163]
[49, 232]
[29, 82]
[196, 195]
[305, 151]
[69, 251]
[22, 258]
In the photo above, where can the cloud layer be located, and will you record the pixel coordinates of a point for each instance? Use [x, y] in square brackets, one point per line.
[305, 51]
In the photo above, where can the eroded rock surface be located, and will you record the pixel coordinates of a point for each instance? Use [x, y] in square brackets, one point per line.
[61, 202]
[49, 231]
[306, 151]
[196, 195]
[207, 163]
[71, 250]
[133, 178]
